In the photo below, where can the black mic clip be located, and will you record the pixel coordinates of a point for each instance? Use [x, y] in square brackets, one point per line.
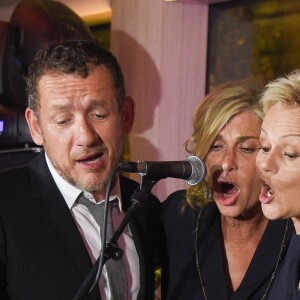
[113, 251]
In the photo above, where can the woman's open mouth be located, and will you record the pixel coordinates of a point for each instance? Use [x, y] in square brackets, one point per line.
[227, 193]
[266, 193]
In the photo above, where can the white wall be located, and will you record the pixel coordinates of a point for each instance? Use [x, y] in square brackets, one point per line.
[161, 47]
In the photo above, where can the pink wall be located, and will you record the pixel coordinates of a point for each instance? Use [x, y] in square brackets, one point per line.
[161, 47]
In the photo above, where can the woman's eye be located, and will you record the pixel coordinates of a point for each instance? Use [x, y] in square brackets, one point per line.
[248, 149]
[264, 149]
[215, 147]
[290, 155]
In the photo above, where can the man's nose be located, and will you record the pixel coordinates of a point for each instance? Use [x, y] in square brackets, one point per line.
[85, 133]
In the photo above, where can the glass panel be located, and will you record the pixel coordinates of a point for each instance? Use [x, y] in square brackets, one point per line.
[251, 37]
[102, 34]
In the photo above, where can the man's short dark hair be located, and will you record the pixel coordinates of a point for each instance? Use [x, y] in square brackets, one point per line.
[72, 57]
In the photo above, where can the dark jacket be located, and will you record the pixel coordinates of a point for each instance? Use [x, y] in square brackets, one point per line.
[42, 255]
[286, 283]
[180, 273]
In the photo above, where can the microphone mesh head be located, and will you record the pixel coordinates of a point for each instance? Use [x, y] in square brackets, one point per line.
[198, 170]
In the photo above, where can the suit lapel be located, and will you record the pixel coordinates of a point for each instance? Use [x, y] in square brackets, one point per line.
[56, 217]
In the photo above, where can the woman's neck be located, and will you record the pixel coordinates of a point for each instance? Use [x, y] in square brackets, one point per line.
[241, 238]
[239, 230]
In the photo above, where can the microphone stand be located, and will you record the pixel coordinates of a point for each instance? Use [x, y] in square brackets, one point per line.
[111, 250]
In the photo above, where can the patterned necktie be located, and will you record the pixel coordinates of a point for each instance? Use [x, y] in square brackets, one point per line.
[115, 268]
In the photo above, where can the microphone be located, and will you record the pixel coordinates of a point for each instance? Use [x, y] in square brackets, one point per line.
[192, 169]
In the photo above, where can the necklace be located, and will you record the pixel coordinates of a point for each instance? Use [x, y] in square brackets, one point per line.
[273, 274]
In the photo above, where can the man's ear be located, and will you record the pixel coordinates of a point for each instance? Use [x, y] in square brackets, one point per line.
[34, 126]
[128, 113]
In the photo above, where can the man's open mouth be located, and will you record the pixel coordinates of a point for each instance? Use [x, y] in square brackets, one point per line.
[90, 158]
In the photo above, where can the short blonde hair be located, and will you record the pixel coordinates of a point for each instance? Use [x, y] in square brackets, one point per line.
[284, 90]
[210, 116]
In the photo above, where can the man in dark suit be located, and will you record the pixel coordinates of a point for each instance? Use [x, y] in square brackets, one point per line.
[78, 111]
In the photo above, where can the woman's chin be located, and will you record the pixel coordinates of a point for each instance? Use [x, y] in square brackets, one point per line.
[270, 212]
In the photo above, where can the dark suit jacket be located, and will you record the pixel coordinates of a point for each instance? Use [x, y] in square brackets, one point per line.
[42, 255]
[180, 273]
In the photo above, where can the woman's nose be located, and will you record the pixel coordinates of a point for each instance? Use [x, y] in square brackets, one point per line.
[265, 161]
[228, 162]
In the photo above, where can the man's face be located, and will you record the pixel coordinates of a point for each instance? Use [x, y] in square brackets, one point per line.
[81, 126]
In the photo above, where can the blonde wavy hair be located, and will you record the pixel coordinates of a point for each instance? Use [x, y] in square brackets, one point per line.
[210, 116]
[284, 90]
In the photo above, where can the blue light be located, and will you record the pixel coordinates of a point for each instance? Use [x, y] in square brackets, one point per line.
[1, 126]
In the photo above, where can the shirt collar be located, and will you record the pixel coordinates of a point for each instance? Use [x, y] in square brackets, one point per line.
[71, 193]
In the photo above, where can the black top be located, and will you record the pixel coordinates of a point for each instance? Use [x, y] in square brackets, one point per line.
[287, 280]
[180, 272]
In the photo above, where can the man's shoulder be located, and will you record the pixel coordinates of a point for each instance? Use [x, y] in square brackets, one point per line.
[13, 175]
[17, 182]
[14, 185]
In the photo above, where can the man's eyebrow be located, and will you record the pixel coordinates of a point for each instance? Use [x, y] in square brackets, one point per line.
[92, 103]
